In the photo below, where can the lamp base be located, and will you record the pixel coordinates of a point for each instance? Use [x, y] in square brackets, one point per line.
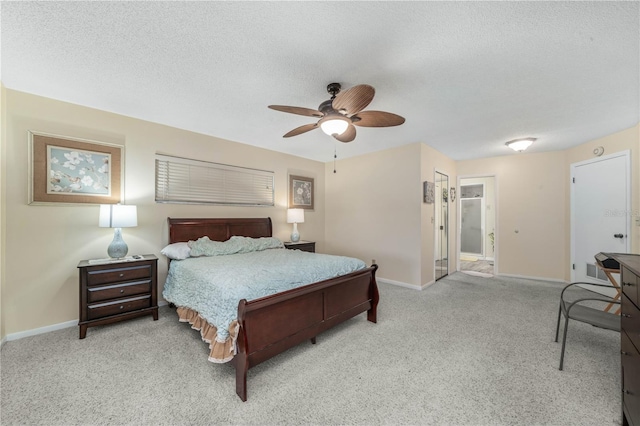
[118, 248]
[295, 236]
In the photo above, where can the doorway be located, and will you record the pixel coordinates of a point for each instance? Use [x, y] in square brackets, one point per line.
[600, 214]
[477, 225]
[441, 223]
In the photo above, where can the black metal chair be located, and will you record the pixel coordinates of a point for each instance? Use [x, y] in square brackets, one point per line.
[578, 310]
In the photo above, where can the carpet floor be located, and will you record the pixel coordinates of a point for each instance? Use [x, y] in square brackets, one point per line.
[465, 351]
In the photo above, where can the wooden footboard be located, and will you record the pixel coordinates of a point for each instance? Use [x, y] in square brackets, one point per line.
[267, 328]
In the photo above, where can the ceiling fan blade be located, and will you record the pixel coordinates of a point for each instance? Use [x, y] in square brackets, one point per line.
[348, 135]
[297, 110]
[376, 119]
[300, 130]
[354, 100]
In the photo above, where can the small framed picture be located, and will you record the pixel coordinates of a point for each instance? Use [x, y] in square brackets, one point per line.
[70, 170]
[301, 195]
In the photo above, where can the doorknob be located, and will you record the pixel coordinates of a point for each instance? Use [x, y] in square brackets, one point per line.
[618, 236]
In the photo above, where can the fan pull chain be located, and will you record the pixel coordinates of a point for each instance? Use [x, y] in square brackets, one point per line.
[334, 159]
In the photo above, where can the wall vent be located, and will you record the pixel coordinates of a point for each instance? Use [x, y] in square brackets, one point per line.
[594, 272]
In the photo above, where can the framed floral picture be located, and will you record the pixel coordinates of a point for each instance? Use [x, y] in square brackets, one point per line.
[301, 195]
[70, 170]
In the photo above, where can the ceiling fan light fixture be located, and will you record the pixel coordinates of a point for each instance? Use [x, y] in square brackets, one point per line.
[334, 125]
[520, 145]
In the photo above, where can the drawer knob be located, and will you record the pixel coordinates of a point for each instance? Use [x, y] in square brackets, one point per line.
[121, 307]
[626, 316]
[629, 284]
[628, 392]
[624, 353]
[121, 291]
[121, 275]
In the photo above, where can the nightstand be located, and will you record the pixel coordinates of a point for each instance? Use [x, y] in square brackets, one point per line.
[309, 246]
[117, 290]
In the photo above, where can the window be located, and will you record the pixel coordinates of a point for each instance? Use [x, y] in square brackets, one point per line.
[180, 180]
[472, 191]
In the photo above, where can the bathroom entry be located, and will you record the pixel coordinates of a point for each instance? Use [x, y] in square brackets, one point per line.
[441, 222]
[477, 225]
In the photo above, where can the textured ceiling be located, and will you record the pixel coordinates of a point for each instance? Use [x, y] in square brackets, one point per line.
[467, 76]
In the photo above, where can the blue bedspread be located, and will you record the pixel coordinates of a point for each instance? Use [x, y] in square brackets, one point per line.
[214, 285]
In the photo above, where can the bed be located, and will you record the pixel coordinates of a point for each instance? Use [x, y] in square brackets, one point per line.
[264, 326]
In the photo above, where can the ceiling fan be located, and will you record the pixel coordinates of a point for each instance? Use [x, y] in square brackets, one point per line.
[339, 114]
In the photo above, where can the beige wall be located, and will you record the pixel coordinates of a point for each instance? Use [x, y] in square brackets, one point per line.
[3, 183]
[373, 211]
[46, 242]
[531, 192]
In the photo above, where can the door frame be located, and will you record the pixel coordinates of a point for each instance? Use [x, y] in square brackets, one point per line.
[572, 223]
[496, 213]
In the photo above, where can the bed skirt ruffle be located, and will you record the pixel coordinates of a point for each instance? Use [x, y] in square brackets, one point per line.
[221, 351]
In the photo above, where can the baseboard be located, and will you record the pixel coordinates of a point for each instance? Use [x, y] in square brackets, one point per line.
[425, 285]
[50, 328]
[41, 330]
[527, 277]
[402, 284]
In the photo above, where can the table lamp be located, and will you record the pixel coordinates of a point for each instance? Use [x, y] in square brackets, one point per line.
[117, 216]
[295, 216]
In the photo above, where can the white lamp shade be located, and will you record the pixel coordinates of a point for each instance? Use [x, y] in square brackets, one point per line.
[334, 126]
[295, 216]
[118, 216]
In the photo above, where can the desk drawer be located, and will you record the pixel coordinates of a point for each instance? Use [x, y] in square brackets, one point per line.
[629, 284]
[630, 376]
[100, 310]
[113, 275]
[98, 293]
[631, 320]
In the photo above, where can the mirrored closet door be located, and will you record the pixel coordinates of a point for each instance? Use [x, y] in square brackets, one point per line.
[441, 221]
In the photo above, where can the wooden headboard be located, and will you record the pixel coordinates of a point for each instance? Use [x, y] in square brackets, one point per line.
[217, 229]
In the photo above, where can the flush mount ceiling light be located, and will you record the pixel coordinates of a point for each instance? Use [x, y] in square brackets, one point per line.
[520, 144]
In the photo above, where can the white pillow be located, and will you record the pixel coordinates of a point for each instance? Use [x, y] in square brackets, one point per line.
[177, 251]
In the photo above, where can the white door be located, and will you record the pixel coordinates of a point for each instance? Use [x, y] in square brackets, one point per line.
[600, 213]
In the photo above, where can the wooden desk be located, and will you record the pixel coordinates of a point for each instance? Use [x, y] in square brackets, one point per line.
[630, 338]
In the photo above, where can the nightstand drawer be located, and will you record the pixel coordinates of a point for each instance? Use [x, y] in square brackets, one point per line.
[309, 246]
[112, 275]
[96, 294]
[115, 307]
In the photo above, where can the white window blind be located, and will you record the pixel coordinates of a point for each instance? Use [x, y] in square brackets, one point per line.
[180, 180]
